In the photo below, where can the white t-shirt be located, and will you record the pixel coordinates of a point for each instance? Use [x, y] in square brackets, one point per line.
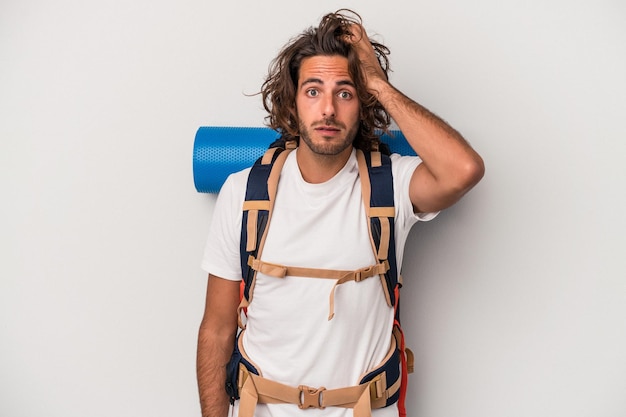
[288, 334]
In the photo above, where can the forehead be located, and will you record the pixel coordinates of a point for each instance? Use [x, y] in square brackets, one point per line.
[325, 68]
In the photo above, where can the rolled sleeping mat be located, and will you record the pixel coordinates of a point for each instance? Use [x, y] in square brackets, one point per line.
[219, 151]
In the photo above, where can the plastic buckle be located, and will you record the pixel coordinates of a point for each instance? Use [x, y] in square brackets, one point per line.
[311, 397]
[361, 274]
[378, 387]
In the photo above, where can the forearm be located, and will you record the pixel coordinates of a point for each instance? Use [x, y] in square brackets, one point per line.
[214, 351]
[450, 166]
[446, 154]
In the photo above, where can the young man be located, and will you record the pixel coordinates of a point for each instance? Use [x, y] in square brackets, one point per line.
[328, 90]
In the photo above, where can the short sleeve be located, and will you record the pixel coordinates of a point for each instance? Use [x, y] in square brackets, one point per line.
[221, 252]
[403, 168]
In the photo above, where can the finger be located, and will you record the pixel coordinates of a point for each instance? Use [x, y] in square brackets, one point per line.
[355, 33]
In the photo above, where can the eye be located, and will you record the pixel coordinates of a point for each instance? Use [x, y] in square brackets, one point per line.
[346, 95]
[312, 92]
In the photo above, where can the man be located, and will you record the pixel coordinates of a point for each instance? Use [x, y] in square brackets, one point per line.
[328, 90]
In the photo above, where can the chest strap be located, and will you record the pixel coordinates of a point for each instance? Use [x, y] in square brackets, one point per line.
[379, 208]
[281, 271]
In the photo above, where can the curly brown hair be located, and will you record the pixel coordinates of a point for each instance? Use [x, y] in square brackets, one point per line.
[279, 89]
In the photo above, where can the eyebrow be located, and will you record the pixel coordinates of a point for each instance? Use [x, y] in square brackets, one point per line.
[313, 80]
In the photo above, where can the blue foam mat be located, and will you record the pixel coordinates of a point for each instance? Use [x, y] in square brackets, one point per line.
[219, 151]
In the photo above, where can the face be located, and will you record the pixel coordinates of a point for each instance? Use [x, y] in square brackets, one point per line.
[327, 105]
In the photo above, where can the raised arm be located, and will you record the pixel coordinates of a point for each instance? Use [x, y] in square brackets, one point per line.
[216, 339]
[450, 166]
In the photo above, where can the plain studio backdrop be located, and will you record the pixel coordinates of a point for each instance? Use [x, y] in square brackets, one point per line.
[514, 300]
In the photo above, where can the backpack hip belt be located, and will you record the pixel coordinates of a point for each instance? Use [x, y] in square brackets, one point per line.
[377, 388]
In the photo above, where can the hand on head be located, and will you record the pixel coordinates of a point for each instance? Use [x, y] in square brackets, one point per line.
[372, 70]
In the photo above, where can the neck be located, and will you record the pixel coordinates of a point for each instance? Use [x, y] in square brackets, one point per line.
[316, 168]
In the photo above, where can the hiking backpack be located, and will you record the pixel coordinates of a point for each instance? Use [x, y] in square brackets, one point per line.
[382, 386]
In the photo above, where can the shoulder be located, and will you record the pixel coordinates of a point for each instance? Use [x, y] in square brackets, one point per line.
[233, 190]
[402, 163]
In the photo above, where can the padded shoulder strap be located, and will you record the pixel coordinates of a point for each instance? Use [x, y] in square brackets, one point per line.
[377, 190]
[257, 209]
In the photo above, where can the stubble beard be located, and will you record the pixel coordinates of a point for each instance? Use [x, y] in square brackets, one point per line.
[328, 148]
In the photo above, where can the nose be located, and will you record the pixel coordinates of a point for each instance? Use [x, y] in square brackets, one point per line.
[328, 106]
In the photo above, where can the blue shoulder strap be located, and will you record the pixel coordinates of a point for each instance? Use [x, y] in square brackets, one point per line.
[381, 196]
[257, 208]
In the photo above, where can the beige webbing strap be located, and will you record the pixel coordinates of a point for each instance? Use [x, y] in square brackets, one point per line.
[290, 145]
[251, 226]
[366, 187]
[272, 181]
[410, 360]
[253, 207]
[385, 235]
[358, 276]
[376, 159]
[382, 213]
[255, 389]
[281, 271]
[248, 397]
[268, 156]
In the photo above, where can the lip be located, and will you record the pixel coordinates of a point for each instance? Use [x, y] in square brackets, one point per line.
[327, 129]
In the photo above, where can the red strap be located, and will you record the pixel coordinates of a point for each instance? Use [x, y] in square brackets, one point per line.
[402, 398]
[242, 287]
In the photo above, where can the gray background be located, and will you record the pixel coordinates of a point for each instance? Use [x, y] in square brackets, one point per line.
[515, 299]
